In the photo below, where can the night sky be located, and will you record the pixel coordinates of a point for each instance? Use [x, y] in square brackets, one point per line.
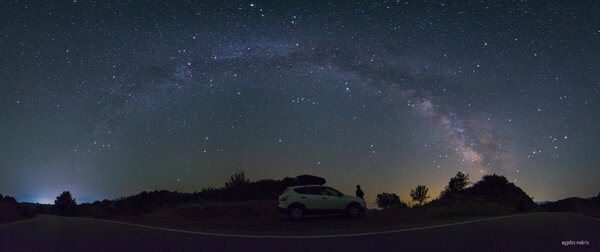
[110, 98]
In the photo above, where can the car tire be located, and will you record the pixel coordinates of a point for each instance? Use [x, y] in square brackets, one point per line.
[296, 212]
[354, 211]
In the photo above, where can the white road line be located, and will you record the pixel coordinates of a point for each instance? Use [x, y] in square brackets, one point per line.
[591, 217]
[307, 236]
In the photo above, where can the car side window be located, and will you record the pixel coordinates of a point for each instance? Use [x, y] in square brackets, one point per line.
[314, 190]
[309, 190]
[301, 190]
[331, 192]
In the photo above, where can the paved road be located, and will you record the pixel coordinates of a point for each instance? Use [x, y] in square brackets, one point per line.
[531, 232]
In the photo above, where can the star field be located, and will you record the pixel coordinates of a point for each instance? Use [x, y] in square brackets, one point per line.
[107, 99]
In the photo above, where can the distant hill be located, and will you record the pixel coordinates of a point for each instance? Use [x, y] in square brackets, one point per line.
[85, 199]
[574, 204]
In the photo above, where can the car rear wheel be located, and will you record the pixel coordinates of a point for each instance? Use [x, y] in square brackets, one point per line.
[296, 212]
[354, 211]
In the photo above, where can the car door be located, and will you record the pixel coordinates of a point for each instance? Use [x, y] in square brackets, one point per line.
[311, 197]
[322, 199]
[335, 199]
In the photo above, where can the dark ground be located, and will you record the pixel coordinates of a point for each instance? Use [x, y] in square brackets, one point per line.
[536, 231]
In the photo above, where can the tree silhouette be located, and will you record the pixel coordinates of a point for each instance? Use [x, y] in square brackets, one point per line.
[389, 200]
[237, 180]
[419, 194]
[456, 184]
[65, 204]
[459, 182]
[8, 199]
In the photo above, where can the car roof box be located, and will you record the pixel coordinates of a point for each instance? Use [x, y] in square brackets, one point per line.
[309, 180]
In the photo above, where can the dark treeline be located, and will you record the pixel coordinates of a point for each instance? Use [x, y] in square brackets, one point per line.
[11, 210]
[7, 199]
[490, 189]
[492, 195]
[237, 188]
[492, 192]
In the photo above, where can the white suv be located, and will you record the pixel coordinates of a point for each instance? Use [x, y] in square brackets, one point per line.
[298, 201]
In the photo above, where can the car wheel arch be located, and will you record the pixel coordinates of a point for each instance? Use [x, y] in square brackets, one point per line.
[297, 204]
[296, 211]
[356, 213]
[354, 203]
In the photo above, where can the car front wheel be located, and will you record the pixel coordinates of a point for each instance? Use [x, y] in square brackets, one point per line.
[354, 211]
[296, 212]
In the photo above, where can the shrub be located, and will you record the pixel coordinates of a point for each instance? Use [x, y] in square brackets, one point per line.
[237, 180]
[389, 200]
[419, 194]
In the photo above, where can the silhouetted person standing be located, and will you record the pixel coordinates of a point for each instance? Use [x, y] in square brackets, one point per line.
[359, 192]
